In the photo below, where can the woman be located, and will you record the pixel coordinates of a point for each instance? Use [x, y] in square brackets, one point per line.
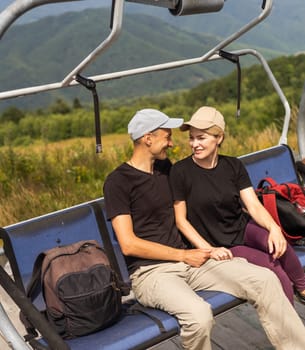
[216, 206]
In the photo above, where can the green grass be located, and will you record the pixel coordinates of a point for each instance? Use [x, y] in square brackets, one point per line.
[41, 178]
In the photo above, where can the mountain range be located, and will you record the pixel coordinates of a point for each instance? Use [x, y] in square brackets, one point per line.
[280, 31]
[44, 46]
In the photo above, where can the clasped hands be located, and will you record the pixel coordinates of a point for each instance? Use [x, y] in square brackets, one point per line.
[197, 257]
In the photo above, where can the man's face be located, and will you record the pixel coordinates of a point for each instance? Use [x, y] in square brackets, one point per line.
[161, 140]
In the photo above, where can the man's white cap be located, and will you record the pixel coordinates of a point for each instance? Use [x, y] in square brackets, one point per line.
[147, 120]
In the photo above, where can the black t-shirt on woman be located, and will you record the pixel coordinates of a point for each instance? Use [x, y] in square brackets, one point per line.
[212, 198]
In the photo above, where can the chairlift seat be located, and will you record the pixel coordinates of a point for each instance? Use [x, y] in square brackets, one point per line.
[25, 240]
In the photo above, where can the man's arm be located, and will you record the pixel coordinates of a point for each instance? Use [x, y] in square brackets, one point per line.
[188, 230]
[132, 245]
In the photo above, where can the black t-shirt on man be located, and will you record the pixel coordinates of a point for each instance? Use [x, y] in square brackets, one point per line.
[148, 199]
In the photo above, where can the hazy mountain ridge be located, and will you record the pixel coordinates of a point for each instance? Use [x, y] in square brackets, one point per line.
[280, 31]
[45, 51]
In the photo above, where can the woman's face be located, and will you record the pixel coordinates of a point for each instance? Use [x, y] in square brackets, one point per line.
[203, 145]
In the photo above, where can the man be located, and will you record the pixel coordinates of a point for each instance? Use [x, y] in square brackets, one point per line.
[164, 273]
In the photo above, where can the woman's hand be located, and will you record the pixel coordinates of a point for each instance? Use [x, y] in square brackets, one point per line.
[277, 243]
[221, 253]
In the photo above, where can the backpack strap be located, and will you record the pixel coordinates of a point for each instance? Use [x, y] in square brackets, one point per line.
[269, 201]
[269, 180]
[32, 290]
[125, 288]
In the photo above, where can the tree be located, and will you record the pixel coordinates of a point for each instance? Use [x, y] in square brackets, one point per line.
[12, 114]
[76, 103]
[60, 107]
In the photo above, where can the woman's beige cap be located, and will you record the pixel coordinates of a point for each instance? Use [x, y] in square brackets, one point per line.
[204, 118]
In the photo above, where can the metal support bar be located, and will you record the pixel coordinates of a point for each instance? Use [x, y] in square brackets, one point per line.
[163, 66]
[12, 337]
[276, 86]
[115, 31]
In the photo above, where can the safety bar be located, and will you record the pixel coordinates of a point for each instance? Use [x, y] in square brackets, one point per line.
[163, 66]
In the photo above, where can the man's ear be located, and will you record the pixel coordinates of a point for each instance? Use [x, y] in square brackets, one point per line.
[147, 139]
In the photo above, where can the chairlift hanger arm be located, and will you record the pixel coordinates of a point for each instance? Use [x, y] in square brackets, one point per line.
[10, 333]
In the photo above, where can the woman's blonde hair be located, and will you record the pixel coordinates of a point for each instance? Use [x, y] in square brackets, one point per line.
[215, 131]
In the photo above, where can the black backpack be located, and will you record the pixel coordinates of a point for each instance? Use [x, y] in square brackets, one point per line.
[286, 204]
[82, 292]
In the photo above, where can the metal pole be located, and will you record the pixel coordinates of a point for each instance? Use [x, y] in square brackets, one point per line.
[10, 333]
[114, 34]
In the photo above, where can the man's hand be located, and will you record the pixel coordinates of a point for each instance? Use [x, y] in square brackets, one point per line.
[196, 257]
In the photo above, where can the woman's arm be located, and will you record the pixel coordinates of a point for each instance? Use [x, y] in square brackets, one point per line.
[186, 228]
[277, 243]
